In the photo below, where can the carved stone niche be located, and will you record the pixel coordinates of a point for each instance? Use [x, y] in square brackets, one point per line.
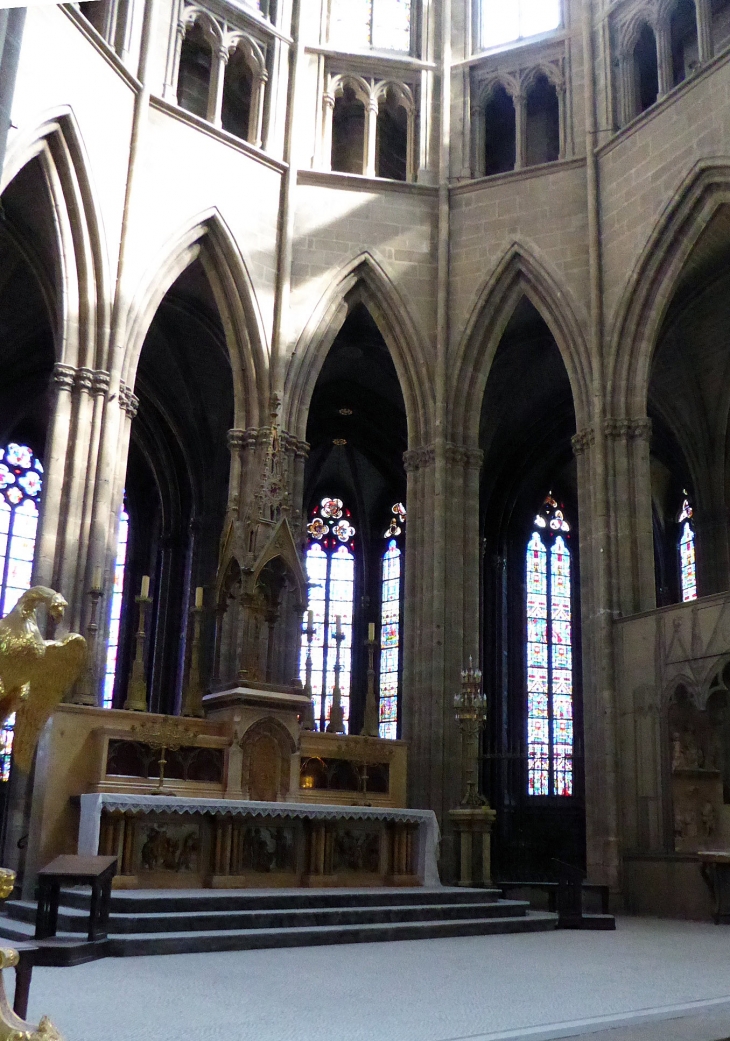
[267, 748]
[698, 756]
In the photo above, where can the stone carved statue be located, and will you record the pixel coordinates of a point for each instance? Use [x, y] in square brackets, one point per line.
[34, 676]
[35, 673]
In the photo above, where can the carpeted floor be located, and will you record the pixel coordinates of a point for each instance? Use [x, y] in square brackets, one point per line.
[651, 980]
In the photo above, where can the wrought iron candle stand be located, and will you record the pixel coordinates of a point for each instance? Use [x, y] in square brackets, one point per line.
[470, 708]
[336, 724]
[308, 721]
[474, 817]
[137, 695]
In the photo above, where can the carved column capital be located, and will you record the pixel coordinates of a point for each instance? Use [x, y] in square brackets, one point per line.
[100, 382]
[84, 380]
[63, 376]
[583, 440]
[128, 400]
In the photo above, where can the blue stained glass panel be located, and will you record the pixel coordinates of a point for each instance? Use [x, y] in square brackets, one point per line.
[537, 679]
[115, 613]
[390, 640]
[537, 654]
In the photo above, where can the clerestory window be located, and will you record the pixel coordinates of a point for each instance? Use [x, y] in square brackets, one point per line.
[549, 647]
[503, 23]
[383, 25]
[687, 559]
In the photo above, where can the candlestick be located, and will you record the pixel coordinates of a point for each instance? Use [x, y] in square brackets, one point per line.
[308, 721]
[371, 721]
[192, 702]
[97, 581]
[336, 723]
[470, 706]
[137, 693]
[145, 590]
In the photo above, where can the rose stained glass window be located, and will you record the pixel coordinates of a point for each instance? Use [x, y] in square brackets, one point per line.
[390, 628]
[504, 23]
[21, 481]
[549, 659]
[115, 611]
[384, 25]
[687, 560]
[330, 561]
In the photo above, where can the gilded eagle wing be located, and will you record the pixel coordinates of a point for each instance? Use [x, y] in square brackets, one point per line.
[54, 674]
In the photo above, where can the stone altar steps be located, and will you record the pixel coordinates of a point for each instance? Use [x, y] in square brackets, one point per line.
[174, 922]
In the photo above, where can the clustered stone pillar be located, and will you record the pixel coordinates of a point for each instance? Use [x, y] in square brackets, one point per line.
[442, 618]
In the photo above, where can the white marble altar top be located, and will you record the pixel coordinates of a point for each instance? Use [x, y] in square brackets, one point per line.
[93, 803]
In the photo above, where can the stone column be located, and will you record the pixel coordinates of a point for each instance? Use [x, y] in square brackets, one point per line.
[442, 620]
[215, 92]
[520, 130]
[629, 497]
[705, 42]
[562, 120]
[371, 136]
[328, 108]
[172, 64]
[256, 118]
[44, 568]
[480, 144]
[664, 57]
[627, 88]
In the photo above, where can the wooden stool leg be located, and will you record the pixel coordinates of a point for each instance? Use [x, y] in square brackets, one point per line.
[23, 974]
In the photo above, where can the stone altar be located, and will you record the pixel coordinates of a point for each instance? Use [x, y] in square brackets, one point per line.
[164, 841]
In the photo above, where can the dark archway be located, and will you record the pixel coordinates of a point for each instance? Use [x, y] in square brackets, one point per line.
[358, 433]
[527, 423]
[177, 478]
[689, 403]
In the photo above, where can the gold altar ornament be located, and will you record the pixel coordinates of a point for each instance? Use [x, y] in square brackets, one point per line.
[12, 1027]
[168, 735]
[35, 673]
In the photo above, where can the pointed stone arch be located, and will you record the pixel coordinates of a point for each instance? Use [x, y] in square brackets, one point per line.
[364, 281]
[633, 338]
[208, 238]
[81, 300]
[519, 274]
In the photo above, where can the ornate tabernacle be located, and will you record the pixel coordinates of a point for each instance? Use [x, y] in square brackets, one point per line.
[167, 842]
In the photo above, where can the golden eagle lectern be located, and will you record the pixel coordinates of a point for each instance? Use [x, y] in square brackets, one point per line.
[35, 673]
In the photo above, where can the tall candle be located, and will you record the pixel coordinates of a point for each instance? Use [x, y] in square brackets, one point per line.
[338, 624]
[310, 619]
[199, 596]
[97, 581]
[371, 631]
[145, 590]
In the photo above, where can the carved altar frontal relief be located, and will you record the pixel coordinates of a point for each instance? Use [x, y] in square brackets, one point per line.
[168, 848]
[357, 851]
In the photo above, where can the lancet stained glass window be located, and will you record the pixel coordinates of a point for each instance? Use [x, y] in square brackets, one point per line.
[330, 560]
[360, 24]
[21, 482]
[506, 22]
[115, 616]
[390, 632]
[549, 662]
[687, 560]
